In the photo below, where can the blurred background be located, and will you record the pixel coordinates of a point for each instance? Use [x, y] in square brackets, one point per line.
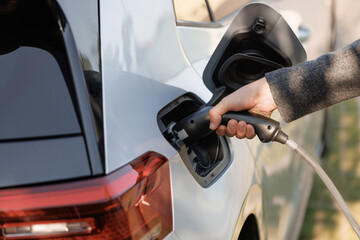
[323, 220]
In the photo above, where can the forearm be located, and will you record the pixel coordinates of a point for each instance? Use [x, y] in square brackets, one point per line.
[317, 84]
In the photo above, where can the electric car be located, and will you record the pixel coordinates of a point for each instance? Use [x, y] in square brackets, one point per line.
[92, 95]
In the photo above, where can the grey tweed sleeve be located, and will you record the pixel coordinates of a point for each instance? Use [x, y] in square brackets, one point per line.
[313, 85]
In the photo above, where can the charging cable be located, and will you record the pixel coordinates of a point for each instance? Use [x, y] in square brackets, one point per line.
[327, 181]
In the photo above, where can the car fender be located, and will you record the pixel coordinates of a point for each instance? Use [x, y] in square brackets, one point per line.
[252, 205]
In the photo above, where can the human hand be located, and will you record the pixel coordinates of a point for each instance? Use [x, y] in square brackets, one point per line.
[255, 97]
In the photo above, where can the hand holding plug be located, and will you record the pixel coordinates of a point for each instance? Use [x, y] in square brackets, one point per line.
[255, 97]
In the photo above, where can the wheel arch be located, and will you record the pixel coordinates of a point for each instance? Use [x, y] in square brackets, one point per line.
[250, 221]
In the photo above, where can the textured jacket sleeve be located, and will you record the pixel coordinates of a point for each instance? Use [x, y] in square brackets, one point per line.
[313, 85]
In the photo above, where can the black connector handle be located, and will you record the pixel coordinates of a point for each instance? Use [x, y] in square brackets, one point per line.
[266, 129]
[196, 126]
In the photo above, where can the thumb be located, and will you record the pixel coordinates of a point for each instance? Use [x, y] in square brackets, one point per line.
[216, 113]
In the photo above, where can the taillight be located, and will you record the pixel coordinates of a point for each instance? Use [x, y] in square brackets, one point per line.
[131, 203]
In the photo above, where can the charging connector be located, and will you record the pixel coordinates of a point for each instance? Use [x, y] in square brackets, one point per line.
[195, 127]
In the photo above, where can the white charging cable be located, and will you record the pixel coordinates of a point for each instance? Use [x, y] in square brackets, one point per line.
[329, 184]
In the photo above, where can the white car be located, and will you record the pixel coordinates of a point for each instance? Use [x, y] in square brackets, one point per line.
[92, 92]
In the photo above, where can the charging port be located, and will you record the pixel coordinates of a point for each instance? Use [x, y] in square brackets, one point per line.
[207, 158]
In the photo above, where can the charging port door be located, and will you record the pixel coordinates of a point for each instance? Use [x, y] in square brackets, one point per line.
[206, 159]
[257, 41]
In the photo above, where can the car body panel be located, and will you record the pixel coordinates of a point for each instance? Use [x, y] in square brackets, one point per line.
[145, 45]
[123, 119]
[152, 57]
[198, 211]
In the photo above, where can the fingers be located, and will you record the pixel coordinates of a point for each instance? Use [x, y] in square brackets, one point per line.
[231, 128]
[221, 130]
[239, 129]
[245, 130]
[250, 132]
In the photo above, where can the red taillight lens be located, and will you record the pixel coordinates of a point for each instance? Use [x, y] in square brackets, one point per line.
[131, 203]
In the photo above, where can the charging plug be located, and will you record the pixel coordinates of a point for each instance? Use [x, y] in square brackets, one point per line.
[196, 126]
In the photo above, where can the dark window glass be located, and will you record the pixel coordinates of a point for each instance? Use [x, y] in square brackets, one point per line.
[36, 89]
[35, 101]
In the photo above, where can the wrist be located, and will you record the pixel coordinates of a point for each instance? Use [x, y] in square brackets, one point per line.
[264, 99]
[268, 93]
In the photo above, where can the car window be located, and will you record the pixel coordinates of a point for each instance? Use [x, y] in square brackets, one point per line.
[34, 74]
[191, 10]
[223, 8]
[32, 81]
